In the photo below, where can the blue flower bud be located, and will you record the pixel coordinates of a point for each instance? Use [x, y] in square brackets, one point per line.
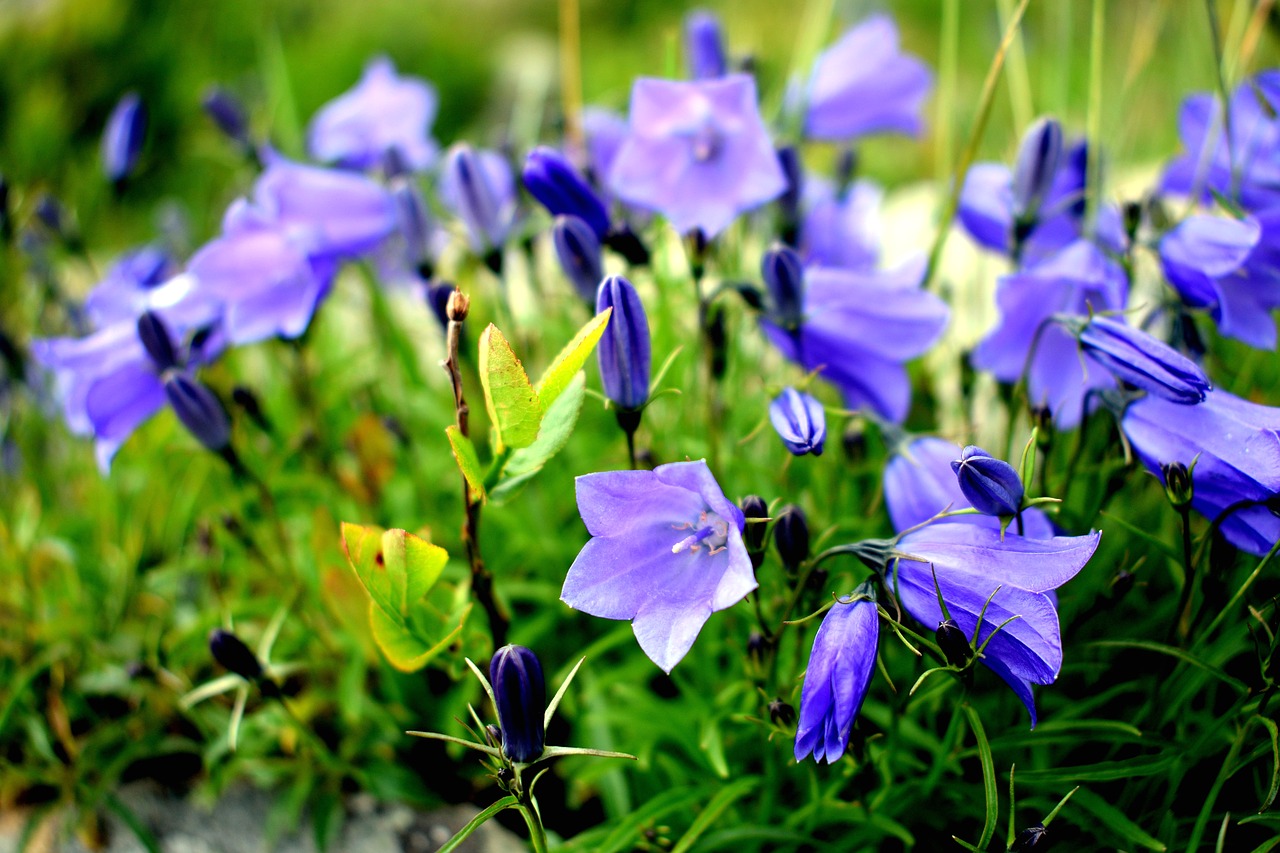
[157, 341]
[414, 222]
[954, 644]
[552, 180]
[520, 694]
[1142, 361]
[578, 249]
[789, 201]
[230, 651]
[1036, 167]
[791, 537]
[784, 276]
[478, 187]
[991, 485]
[624, 348]
[1178, 486]
[704, 45]
[438, 294]
[200, 411]
[227, 113]
[800, 422]
[122, 139]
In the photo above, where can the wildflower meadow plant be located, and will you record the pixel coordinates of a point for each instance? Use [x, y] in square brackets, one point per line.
[352, 366]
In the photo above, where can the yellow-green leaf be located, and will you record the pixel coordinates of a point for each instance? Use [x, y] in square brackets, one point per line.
[363, 545]
[571, 358]
[410, 650]
[514, 409]
[396, 568]
[557, 426]
[464, 452]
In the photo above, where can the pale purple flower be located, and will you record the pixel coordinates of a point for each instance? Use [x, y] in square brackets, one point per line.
[841, 664]
[129, 283]
[479, 188]
[666, 552]
[841, 230]
[698, 152]
[864, 84]
[800, 422]
[970, 564]
[384, 112]
[1072, 282]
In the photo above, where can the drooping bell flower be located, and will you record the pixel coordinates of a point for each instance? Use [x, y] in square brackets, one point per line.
[970, 563]
[799, 421]
[919, 484]
[384, 112]
[623, 351]
[704, 45]
[1073, 282]
[841, 664]
[579, 253]
[227, 114]
[1137, 358]
[666, 552]
[520, 693]
[697, 152]
[1232, 268]
[122, 138]
[991, 485]
[1236, 450]
[480, 190]
[858, 329]
[864, 84]
[553, 181]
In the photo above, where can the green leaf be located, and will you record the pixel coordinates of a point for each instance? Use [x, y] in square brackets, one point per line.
[1116, 820]
[514, 409]
[396, 568]
[713, 809]
[570, 360]
[557, 426]
[464, 453]
[363, 545]
[988, 776]
[464, 833]
[409, 649]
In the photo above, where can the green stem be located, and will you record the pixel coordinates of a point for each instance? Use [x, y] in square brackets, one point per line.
[1190, 582]
[537, 835]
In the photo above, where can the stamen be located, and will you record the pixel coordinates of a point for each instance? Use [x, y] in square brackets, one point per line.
[691, 542]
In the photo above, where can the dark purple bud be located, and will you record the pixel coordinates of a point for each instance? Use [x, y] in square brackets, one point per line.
[552, 180]
[1135, 357]
[791, 537]
[249, 404]
[954, 644]
[438, 294]
[578, 249]
[1037, 164]
[704, 45]
[50, 214]
[230, 651]
[413, 220]
[784, 276]
[800, 422]
[200, 411]
[756, 644]
[157, 341]
[718, 341]
[394, 164]
[624, 348]
[789, 201]
[227, 113]
[122, 139]
[854, 441]
[756, 513]
[627, 243]
[1121, 583]
[520, 693]
[1029, 839]
[1177, 485]
[990, 485]
[782, 714]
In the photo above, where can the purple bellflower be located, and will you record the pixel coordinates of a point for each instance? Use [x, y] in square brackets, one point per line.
[1135, 357]
[841, 664]
[1036, 168]
[841, 230]
[623, 350]
[863, 84]
[480, 190]
[1248, 171]
[130, 286]
[520, 694]
[799, 421]
[1072, 282]
[605, 131]
[991, 485]
[1235, 446]
[704, 45]
[859, 329]
[123, 136]
[666, 552]
[919, 484]
[1232, 268]
[971, 563]
[697, 152]
[384, 112]
[552, 180]
[579, 252]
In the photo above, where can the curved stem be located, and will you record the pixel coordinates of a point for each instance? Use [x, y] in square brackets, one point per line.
[537, 835]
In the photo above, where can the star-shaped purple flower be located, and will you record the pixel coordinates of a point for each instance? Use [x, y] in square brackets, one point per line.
[697, 152]
[666, 552]
[383, 112]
